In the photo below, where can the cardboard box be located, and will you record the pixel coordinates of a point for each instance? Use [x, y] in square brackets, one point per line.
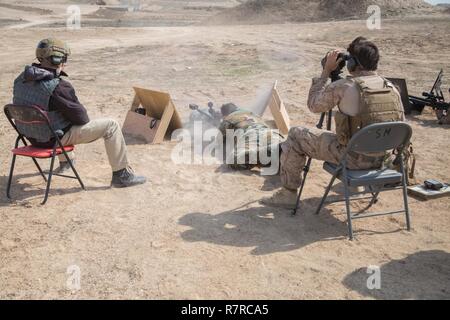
[160, 120]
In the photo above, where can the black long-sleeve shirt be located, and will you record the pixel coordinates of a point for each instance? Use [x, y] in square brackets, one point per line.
[65, 100]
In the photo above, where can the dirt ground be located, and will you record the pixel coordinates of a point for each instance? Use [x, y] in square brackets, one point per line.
[198, 231]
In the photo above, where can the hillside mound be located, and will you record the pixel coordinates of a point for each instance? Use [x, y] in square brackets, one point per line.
[279, 11]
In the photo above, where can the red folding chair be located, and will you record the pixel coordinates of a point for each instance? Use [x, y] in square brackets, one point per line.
[32, 122]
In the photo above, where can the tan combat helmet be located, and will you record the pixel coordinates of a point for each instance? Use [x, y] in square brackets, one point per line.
[52, 50]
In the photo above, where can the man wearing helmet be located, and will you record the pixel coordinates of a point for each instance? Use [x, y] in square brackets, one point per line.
[41, 85]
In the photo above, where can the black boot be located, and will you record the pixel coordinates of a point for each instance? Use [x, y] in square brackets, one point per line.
[126, 178]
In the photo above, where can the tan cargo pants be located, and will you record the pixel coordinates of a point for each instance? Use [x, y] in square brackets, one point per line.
[318, 144]
[107, 129]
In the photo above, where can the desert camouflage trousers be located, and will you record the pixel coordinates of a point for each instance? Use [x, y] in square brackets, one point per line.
[320, 145]
[253, 144]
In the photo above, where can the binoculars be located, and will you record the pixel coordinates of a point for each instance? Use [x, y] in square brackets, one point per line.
[335, 75]
[344, 56]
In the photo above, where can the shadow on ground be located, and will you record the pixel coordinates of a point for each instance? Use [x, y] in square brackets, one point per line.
[266, 229]
[422, 275]
[271, 182]
[429, 123]
[22, 190]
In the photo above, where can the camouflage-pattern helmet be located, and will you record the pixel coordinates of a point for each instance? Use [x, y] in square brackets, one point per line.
[53, 50]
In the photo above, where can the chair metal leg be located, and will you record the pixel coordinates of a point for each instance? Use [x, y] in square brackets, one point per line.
[73, 169]
[297, 203]
[305, 175]
[405, 196]
[47, 190]
[347, 205]
[11, 172]
[375, 192]
[327, 191]
[40, 170]
[374, 199]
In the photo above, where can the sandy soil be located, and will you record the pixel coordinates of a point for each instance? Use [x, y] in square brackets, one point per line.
[198, 231]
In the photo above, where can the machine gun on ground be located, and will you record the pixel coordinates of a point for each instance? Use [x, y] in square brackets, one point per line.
[434, 99]
[210, 116]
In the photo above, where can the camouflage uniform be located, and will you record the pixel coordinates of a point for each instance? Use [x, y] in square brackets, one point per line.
[322, 144]
[318, 144]
[256, 133]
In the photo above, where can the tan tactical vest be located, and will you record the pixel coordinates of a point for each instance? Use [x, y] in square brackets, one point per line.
[376, 105]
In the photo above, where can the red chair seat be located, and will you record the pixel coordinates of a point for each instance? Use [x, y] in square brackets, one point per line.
[35, 152]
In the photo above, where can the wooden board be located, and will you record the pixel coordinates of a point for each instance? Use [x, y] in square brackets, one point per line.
[158, 106]
[273, 106]
[279, 112]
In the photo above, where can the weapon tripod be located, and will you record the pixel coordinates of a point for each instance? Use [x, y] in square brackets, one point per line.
[307, 167]
[334, 76]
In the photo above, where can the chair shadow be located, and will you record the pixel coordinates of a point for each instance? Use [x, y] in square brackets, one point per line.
[422, 275]
[311, 205]
[24, 191]
[268, 230]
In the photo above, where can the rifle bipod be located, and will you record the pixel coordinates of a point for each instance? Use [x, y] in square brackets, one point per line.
[307, 167]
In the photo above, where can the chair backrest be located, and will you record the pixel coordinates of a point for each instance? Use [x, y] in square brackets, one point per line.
[381, 137]
[30, 122]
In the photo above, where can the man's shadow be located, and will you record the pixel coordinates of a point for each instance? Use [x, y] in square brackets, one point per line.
[422, 275]
[266, 229]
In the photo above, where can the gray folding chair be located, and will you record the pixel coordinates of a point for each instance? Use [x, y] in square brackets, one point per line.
[377, 137]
